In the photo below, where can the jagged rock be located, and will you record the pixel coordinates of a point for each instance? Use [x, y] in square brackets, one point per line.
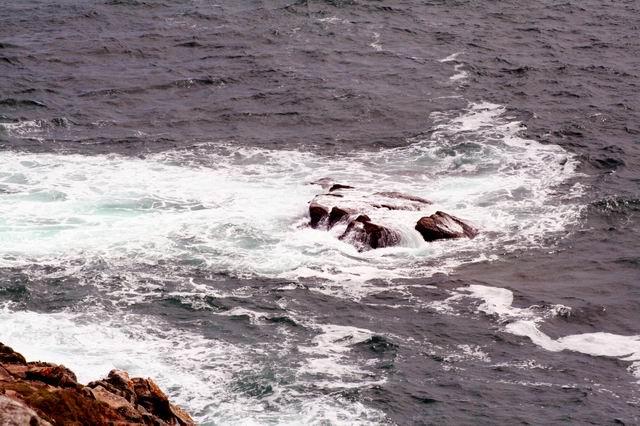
[40, 393]
[116, 402]
[52, 374]
[151, 397]
[182, 416]
[121, 381]
[16, 413]
[441, 225]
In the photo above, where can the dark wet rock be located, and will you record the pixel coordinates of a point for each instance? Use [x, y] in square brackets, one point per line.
[365, 234]
[337, 186]
[40, 393]
[281, 319]
[379, 344]
[336, 215]
[60, 122]
[363, 218]
[318, 213]
[441, 225]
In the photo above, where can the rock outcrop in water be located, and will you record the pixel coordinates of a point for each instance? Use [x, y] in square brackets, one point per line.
[364, 233]
[347, 206]
[441, 225]
[41, 393]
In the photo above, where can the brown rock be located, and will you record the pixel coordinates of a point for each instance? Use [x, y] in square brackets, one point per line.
[122, 382]
[67, 406]
[40, 393]
[441, 225]
[116, 402]
[182, 416]
[5, 375]
[52, 374]
[16, 370]
[16, 413]
[9, 356]
[151, 397]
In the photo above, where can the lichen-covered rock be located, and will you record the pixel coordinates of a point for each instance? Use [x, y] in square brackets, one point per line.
[40, 393]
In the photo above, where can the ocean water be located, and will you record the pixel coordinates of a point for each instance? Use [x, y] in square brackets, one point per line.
[156, 164]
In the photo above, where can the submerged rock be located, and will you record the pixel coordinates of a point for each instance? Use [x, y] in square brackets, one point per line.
[40, 393]
[441, 225]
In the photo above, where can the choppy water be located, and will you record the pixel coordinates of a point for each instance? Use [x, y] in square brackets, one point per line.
[155, 172]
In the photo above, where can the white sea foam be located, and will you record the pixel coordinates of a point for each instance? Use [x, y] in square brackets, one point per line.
[329, 352]
[334, 20]
[376, 42]
[24, 129]
[525, 322]
[460, 75]
[202, 375]
[451, 58]
[241, 211]
[626, 348]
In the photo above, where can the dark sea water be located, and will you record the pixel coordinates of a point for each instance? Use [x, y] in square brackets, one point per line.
[155, 161]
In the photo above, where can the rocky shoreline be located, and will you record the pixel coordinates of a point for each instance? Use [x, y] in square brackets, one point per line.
[41, 393]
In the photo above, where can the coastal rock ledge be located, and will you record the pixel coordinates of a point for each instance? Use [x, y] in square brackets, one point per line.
[41, 393]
